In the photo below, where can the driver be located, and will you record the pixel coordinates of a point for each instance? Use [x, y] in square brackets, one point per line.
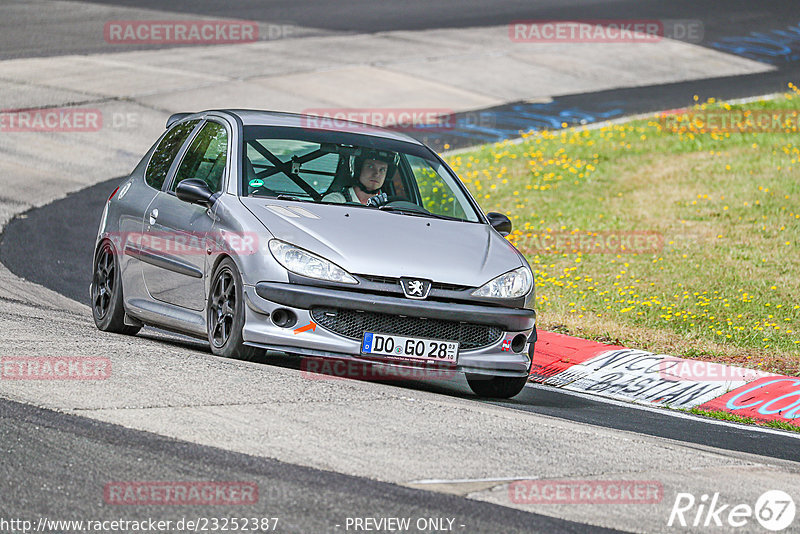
[370, 170]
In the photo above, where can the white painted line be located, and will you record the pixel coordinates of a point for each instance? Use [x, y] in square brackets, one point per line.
[668, 412]
[661, 381]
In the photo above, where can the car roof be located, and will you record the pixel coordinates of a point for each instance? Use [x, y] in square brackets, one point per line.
[254, 117]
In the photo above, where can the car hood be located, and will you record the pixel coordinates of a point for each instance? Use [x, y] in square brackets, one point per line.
[373, 242]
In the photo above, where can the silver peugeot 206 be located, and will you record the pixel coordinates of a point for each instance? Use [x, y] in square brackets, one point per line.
[271, 231]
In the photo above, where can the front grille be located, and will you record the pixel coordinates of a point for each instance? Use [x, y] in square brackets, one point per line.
[381, 279]
[449, 287]
[396, 281]
[353, 324]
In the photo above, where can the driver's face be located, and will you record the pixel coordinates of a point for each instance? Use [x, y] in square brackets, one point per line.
[373, 173]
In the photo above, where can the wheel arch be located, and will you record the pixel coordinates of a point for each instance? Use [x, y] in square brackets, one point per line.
[100, 242]
[219, 259]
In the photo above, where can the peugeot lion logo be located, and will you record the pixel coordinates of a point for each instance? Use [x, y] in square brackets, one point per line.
[415, 289]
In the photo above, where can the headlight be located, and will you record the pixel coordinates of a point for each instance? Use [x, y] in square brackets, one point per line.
[513, 284]
[304, 263]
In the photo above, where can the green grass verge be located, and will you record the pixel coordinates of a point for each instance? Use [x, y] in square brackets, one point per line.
[711, 221]
[725, 416]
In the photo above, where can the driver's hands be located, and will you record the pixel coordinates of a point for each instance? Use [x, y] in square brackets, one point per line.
[378, 200]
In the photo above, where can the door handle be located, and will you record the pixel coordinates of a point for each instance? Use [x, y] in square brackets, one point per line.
[153, 216]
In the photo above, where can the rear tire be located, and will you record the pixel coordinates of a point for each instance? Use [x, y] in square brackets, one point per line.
[497, 387]
[225, 314]
[108, 310]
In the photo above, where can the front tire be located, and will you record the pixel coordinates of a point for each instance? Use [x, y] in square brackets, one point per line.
[497, 387]
[225, 315]
[108, 310]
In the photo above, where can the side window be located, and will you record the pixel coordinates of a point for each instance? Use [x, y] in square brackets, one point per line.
[167, 149]
[206, 157]
[437, 196]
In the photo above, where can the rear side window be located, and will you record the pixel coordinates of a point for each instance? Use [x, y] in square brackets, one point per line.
[167, 149]
[206, 158]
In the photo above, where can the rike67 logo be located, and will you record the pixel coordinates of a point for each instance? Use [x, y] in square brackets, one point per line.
[774, 510]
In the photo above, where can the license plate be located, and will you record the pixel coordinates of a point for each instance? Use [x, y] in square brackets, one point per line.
[412, 348]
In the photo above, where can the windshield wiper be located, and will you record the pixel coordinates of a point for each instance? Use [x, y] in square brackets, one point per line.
[406, 211]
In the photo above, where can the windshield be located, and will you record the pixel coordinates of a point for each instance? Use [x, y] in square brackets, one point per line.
[405, 178]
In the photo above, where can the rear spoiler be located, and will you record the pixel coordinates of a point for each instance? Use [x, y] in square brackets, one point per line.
[176, 117]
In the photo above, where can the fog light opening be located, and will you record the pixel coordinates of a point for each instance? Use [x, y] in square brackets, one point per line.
[284, 318]
[518, 343]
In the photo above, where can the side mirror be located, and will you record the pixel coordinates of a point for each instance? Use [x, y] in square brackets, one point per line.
[195, 191]
[499, 222]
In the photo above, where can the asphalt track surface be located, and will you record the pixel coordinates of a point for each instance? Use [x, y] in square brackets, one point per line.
[69, 457]
[66, 230]
[69, 485]
[734, 19]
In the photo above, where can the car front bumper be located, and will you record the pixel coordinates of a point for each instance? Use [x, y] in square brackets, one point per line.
[496, 358]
